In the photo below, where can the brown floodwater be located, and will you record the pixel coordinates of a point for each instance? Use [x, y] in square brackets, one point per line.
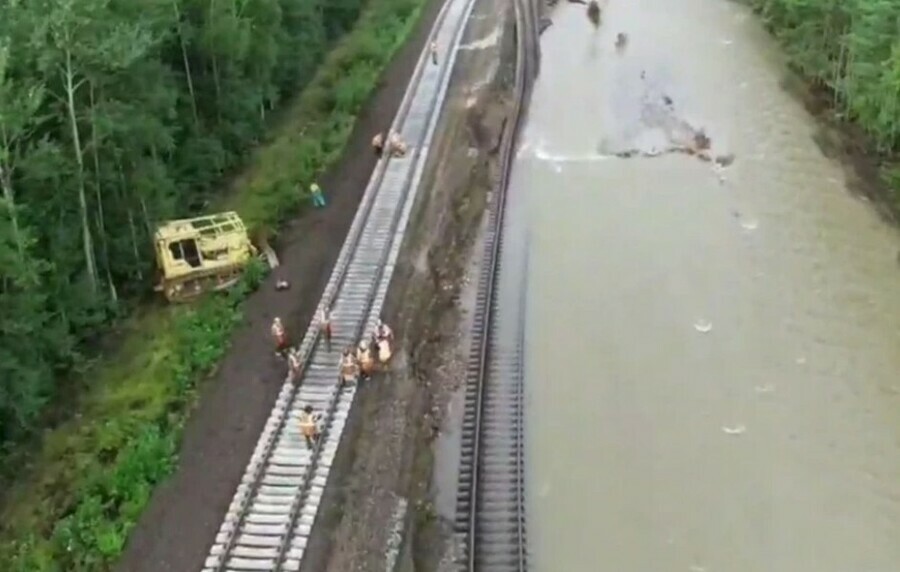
[713, 353]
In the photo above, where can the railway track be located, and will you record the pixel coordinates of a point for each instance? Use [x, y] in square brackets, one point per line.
[490, 515]
[273, 511]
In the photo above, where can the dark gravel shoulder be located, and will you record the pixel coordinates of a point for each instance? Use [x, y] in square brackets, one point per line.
[176, 530]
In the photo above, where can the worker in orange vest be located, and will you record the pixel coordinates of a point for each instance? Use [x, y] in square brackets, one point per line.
[385, 338]
[396, 145]
[295, 365]
[309, 426]
[324, 320]
[349, 367]
[365, 359]
[280, 337]
[378, 144]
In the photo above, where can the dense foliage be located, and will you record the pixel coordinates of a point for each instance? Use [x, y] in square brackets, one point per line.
[83, 515]
[852, 47]
[76, 497]
[115, 115]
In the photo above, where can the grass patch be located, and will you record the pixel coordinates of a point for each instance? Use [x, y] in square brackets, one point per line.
[72, 507]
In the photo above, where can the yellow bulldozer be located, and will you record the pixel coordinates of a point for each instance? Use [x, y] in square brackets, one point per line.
[203, 254]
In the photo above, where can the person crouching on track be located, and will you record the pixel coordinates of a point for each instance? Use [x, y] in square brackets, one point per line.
[309, 426]
[396, 145]
[280, 336]
[349, 367]
[366, 359]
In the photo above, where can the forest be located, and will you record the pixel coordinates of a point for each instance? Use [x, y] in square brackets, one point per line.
[851, 48]
[115, 115]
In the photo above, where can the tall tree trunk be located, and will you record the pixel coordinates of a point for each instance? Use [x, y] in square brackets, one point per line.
[215, 60]
[10, 197]
[146, 214]
[124, 195]
[186, 62]
[215, 67]
[98, 193]
[87, 238]
[8, 193]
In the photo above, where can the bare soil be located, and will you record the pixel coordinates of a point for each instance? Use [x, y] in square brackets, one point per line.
[386, 460]
[178, 527]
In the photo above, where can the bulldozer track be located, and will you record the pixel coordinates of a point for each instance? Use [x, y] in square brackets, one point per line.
[273, 511]
[490, 514]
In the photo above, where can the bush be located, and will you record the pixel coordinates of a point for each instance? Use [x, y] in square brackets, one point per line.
[851, 48]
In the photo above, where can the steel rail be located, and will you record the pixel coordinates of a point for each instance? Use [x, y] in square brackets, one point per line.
[482, 422]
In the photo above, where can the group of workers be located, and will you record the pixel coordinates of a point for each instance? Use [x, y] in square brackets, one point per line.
[395, 144]
[372, 350]
[354, 365]
[360, 364]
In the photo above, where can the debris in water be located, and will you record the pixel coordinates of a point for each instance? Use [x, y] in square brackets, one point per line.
[725, 160]
[767, 388]
[282, 285]
[801, 360]
[702, 326]
[702, 141]
[749, 224]
[727, 42]
[593, 13]
[667, 100]
[621, 40]
[736, 430]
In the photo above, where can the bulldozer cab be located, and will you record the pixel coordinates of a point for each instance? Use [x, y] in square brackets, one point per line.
[201, 254]
[186, 250]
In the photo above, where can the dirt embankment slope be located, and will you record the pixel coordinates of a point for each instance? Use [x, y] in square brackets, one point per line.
[385, 462]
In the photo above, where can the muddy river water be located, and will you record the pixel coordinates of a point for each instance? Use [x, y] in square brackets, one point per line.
[713, 368]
